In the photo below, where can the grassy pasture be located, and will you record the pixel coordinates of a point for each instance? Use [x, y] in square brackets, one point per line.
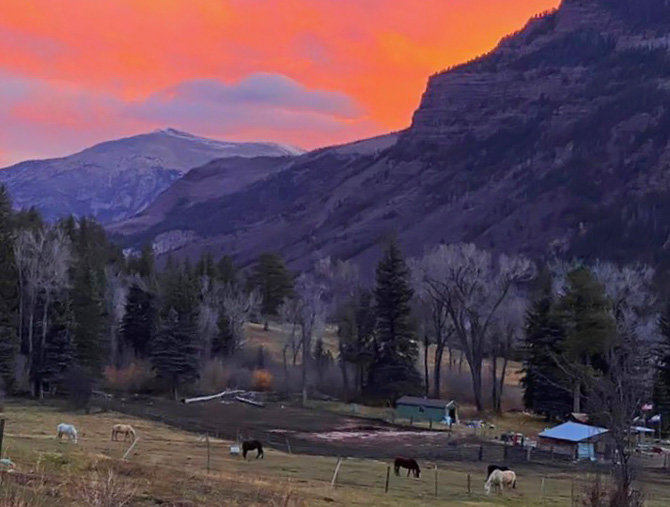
[169, 467]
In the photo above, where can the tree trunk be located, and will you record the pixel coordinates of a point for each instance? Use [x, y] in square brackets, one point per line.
[43, 341]
[426, 374]
[345, 375]
[576, 397]
[31, 348]
[437, 371]
[305, 354]
[502, 383]
[286, 379]
[494, 375]
[266, 325]
[476, 372]
[460, 363]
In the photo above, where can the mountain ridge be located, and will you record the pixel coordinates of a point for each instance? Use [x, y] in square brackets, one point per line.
[556, 142]
[116, 179]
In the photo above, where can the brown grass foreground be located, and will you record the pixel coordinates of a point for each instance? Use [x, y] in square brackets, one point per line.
[169, 468]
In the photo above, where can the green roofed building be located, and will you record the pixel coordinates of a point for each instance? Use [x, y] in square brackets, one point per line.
[425, 409]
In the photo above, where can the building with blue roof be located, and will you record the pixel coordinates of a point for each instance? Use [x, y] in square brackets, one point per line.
[581, 440]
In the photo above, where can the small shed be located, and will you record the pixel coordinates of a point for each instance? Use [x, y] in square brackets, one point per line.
[583, 441]
[426, 409]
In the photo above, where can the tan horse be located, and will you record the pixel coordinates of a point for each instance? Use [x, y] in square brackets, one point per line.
[125, 429]
[500, 480]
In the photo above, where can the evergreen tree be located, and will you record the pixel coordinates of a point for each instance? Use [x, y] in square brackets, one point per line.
[662, 381]
[589, 327]
[393, 371]
[92, 253]
[544, 381]
[175, 350]
[273, 281]
[226, 270]
[223, 344]
[59, 349]
[139, 321]
[9, 344]
[143, 265]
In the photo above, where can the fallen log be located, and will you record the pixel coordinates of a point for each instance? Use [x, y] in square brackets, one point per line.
[227, 392]
[250, 402]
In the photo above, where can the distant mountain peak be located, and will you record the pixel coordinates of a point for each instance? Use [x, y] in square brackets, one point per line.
[116, 179]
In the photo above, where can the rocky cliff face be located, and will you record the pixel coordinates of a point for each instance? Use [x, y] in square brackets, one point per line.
[558, 139]
[116, 179]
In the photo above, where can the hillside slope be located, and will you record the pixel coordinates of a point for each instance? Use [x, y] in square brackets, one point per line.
[116, 179]
[557, 139]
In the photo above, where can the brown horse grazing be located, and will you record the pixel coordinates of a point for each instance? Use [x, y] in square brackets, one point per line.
[251, 445]
[409, 463]
[126, 430]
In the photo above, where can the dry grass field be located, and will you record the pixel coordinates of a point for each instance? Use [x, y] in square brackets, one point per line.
[169, 467]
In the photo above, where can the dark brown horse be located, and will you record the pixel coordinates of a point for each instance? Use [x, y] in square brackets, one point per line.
[409, 463]
[251, 445]
[491, 468]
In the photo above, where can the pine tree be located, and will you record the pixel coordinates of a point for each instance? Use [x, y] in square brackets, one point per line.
[92, 253]
[175, 350]
[223, 344]
[8, 293]
[393, 371]
[544, 385]
[59, 350]
[273, 281]
[589, 327]
[662, 381]
[139, 321]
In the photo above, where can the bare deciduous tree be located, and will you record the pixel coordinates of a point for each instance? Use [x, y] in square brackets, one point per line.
[435, 322]
[238, 307]
[473, 286]
[311, 291]
[116, 292]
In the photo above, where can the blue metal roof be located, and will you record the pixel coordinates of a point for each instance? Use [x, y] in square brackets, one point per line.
[572, 432]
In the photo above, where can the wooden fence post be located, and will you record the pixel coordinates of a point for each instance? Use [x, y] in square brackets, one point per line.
[481, 453]
[542, 490]
[337, 470]
[388, 475]
[208, 451]
[528, 450]
[288, 446]
[435, 481]
[469, 490]
[2, 433]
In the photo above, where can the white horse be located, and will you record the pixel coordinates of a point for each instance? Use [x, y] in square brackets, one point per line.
[500, 480]
[67, 429]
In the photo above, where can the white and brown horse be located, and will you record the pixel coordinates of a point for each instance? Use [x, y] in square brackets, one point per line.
[123, 429]
[500, 480]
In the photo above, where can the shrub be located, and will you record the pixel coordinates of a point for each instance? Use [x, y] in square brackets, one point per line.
[135, 377]
[108, 492]
[262, 380]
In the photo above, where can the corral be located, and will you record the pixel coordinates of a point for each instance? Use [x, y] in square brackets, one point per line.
[169, 467]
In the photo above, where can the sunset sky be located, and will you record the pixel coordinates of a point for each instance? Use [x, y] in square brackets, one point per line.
[304, 72]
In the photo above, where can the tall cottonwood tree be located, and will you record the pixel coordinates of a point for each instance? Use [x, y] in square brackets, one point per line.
[474, 286]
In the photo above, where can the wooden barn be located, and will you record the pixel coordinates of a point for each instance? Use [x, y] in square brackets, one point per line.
[426, 409]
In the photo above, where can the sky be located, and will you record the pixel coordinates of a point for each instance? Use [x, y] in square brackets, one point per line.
[308, 73]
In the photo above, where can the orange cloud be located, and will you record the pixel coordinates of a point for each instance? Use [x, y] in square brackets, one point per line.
[377, 52]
